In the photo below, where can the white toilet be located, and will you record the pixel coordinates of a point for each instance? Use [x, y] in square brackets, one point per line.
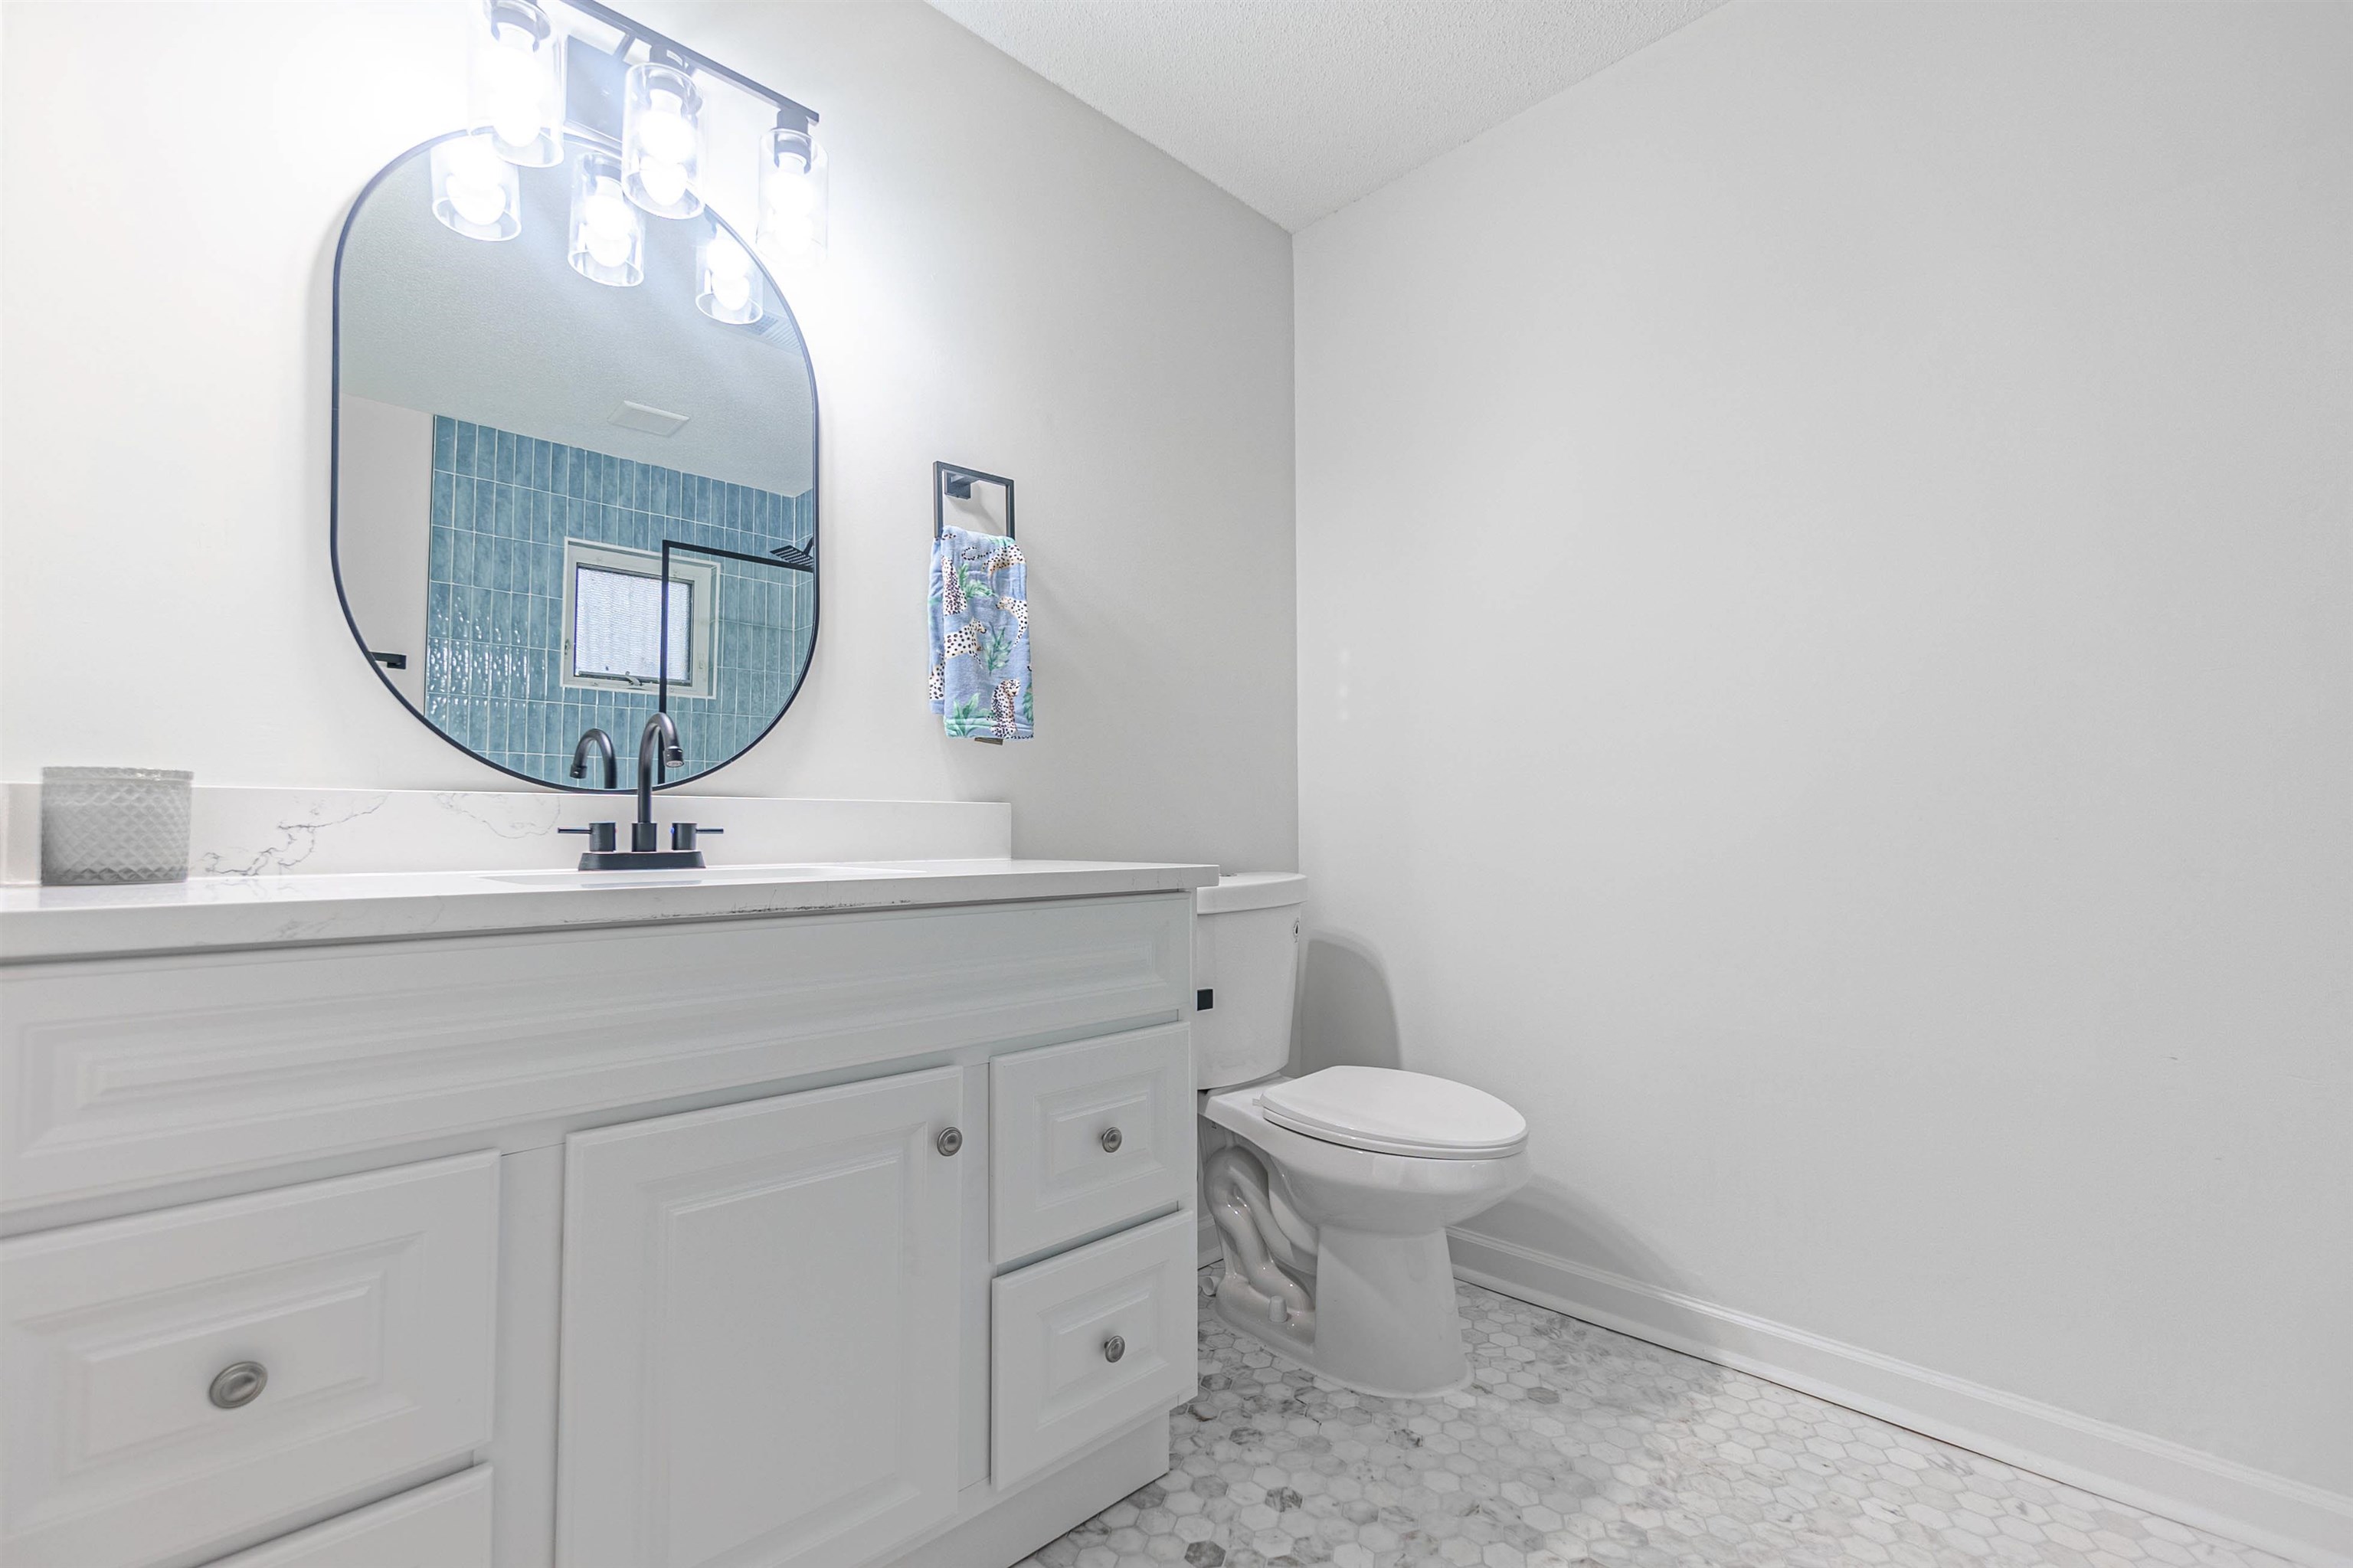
[1333, 1206]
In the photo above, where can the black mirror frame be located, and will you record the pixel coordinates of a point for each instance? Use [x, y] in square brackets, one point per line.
[334, 485]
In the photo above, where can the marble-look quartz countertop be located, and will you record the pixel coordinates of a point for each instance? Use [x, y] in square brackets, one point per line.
[236, 829]
[46, 923]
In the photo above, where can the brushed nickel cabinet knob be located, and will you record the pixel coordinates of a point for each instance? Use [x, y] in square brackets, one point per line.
[238, 1384]
[1109, 1140]
[949, 1140]
[1114, 1347]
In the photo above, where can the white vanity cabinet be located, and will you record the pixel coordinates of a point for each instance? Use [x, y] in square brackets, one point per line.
[838, 1238]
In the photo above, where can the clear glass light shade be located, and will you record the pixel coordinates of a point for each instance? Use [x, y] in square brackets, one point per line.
[728, 286]
[515, 82]
[793, 219]
[662, 141]
[475, 191]
[608, 236]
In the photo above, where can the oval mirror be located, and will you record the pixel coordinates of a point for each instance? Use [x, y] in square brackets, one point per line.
[542, 394]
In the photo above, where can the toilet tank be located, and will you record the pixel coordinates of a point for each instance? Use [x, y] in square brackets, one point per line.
[1246, 967]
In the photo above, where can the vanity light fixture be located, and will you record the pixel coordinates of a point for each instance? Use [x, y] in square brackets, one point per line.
[543, 73]
[475, 191]
[793, 207]
[654, 109]
[608, 236]
[515, 82]
[661, 138]
[728, 288]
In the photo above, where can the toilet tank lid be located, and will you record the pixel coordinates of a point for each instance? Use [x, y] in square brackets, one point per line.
[1251, 890]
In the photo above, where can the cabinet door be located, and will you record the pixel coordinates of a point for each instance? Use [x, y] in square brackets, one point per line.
[760, 1346]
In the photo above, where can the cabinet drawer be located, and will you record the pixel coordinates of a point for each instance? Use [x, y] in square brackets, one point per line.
[444, 1525]
[368, 1301]
[1090, 1342]
[1056, 1170]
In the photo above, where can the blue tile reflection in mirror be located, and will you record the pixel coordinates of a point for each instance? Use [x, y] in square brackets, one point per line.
[504, 424]
[501, 654]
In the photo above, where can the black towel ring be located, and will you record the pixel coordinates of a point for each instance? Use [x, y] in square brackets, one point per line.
[949, 479]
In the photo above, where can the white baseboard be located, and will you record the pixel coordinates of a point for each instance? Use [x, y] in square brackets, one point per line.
[2301, 1522]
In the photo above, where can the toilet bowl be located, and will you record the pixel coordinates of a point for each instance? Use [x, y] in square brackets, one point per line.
[1333, 1192]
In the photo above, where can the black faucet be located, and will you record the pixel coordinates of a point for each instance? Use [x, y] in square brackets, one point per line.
[598, 740]
[658, 746]
[658, 749]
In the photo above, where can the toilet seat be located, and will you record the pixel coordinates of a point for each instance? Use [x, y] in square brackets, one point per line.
[1386, 1111]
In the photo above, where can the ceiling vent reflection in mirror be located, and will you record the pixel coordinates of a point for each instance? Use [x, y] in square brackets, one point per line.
[564, 379]
[644, 417]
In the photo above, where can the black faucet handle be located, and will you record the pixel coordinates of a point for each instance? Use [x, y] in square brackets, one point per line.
[602, 836]
[682, 836]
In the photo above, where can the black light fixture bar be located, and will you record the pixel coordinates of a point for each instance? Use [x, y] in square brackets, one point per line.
[634, 32]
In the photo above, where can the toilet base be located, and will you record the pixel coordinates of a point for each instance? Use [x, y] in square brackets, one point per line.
[1386, 1321]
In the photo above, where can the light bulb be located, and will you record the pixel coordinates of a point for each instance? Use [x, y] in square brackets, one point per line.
[664, 181]
[730, 290]
[793, 179]
[725, 256]
[611, 228]
[608, 234]
[785, 241]
[512, 91]
[476, 201]
[663, 132]
[516, 82]
[474, 190]
[791, 198]
[661, 138]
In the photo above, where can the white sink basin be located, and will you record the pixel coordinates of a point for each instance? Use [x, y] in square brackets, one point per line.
[703, 878]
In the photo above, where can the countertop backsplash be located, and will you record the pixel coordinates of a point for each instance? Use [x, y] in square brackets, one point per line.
[240, 831]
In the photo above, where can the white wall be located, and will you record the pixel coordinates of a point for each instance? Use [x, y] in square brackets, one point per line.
[1014, 283]
[1824, 610]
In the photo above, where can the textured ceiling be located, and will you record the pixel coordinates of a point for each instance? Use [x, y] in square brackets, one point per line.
[1299, 107]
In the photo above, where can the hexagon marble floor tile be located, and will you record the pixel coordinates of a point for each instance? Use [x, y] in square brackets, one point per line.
[1577, 1445]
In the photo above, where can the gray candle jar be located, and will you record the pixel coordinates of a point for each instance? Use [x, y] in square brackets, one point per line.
[114, 825]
